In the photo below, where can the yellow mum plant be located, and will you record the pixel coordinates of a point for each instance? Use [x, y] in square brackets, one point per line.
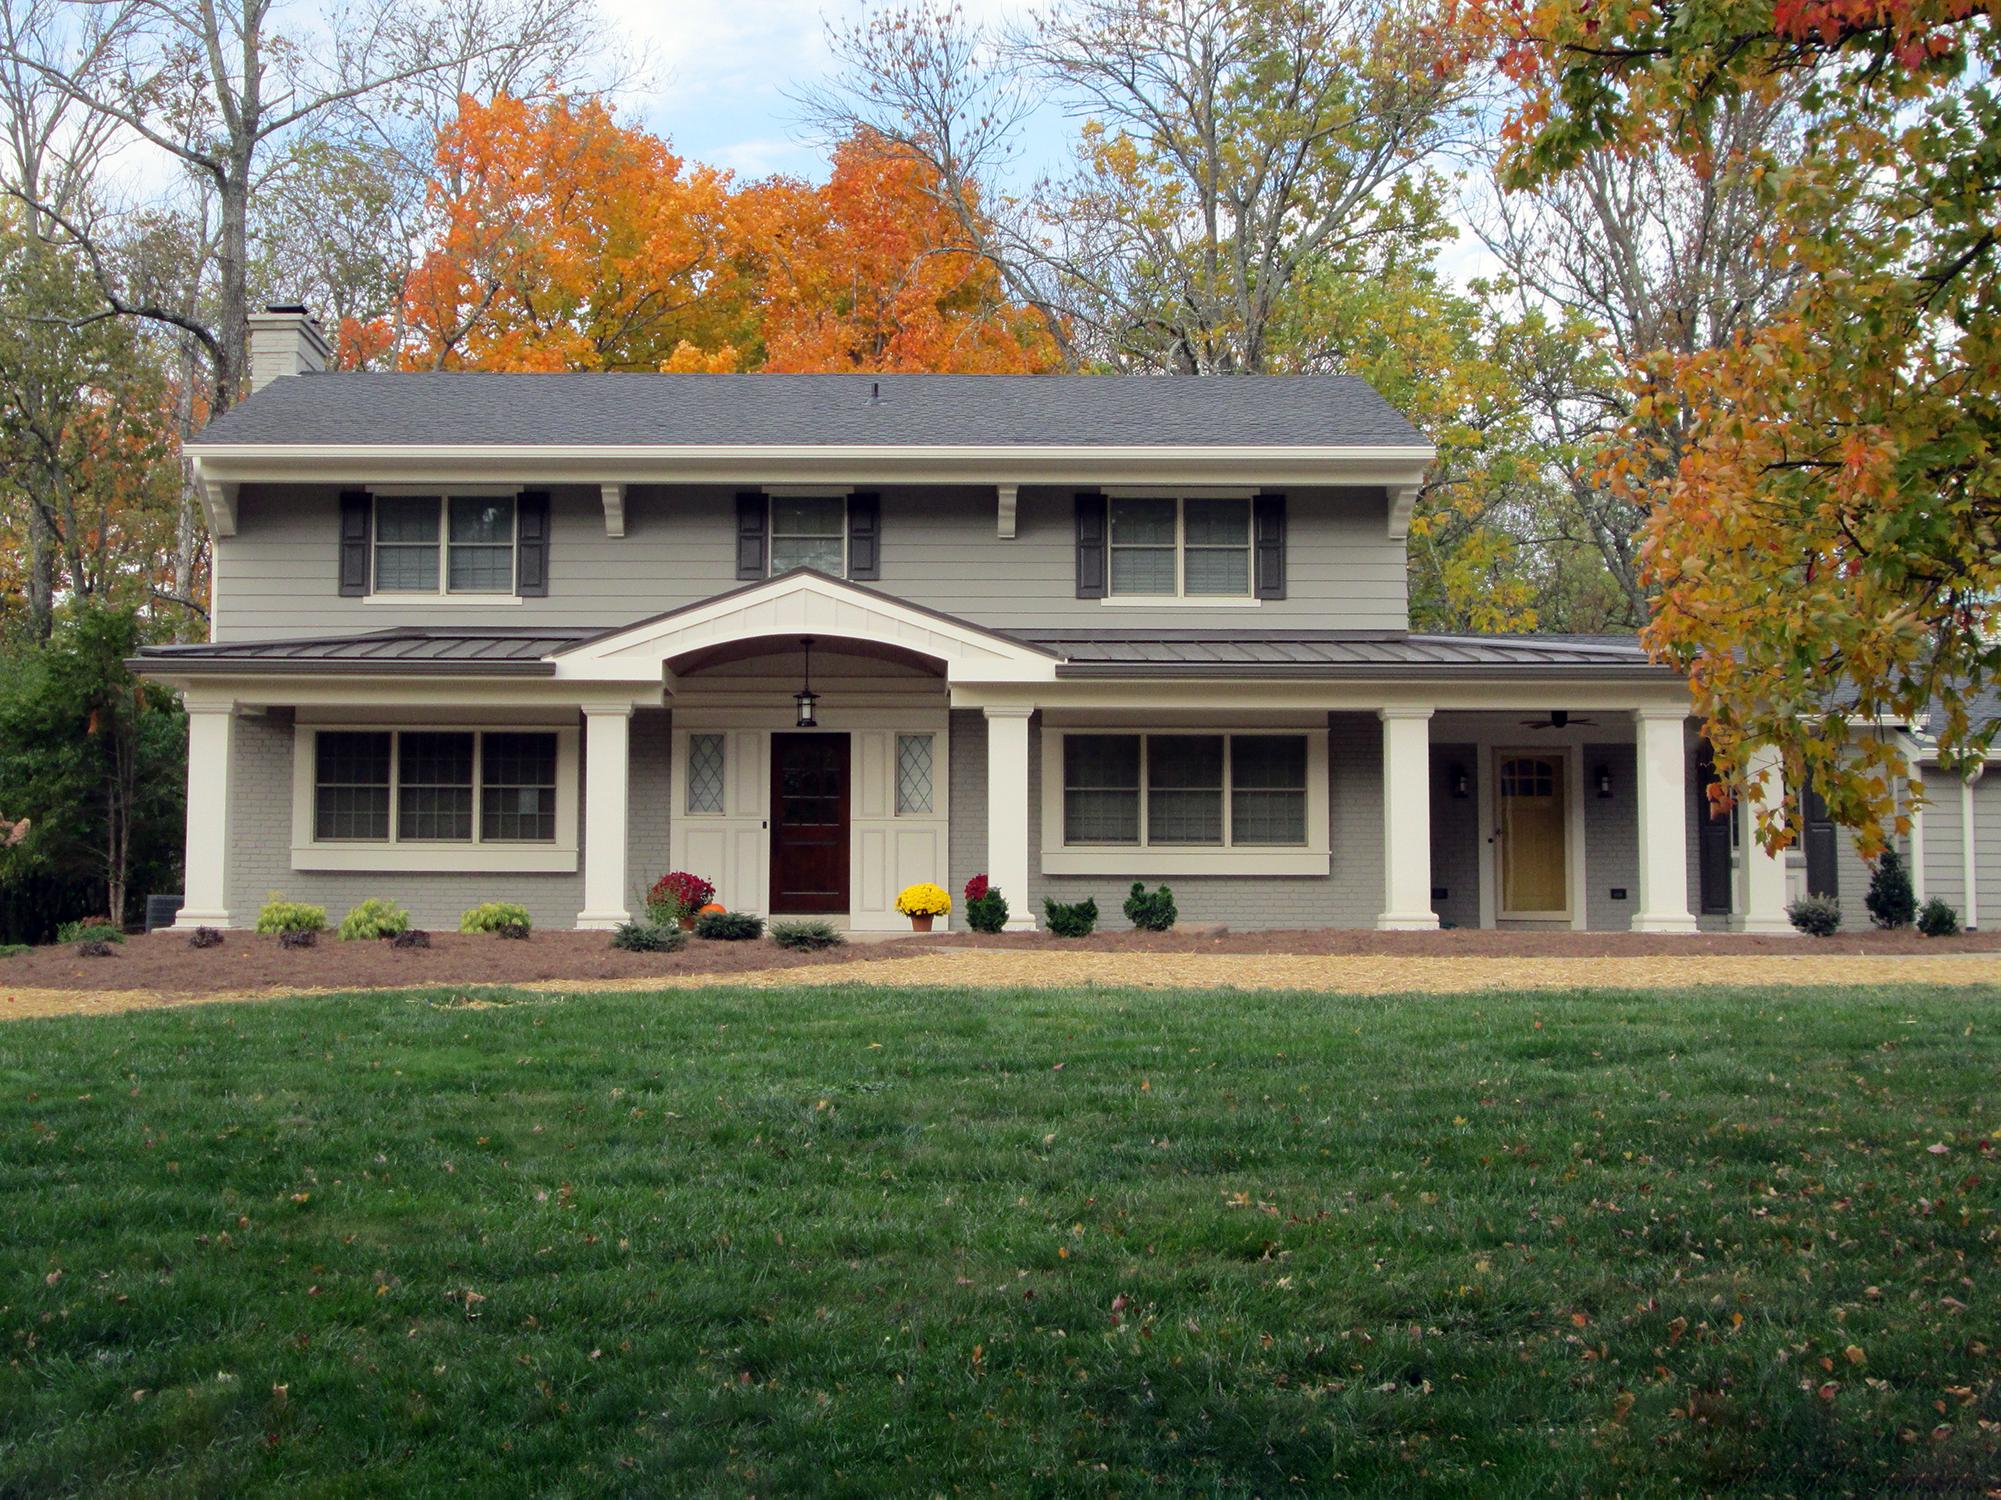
[923, 900]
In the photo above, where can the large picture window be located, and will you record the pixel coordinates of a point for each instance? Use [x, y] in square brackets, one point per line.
[454, 544]
[435, 786]
[1165, 790]
[1188, 548]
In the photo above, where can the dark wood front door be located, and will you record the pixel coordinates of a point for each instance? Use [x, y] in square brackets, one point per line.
[809, 823]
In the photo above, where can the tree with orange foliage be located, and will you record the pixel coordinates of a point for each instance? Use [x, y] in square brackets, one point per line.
[573, 242]
[868, 272]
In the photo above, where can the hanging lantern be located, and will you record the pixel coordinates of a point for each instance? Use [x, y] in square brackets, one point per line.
[806, 698]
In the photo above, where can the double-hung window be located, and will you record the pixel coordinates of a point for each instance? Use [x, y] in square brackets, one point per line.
[1194, 548]
[809, 531]
[451, 544]
[1174, 790]
[434, 786]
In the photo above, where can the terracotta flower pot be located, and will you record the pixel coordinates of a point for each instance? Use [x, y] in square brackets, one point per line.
[921, 923]
[687, 924]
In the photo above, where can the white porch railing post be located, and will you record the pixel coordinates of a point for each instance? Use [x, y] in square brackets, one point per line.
[1008, 810]
[1663, 821]
[1406, 821]
[1761, 903]
[607, 790]
[205, 878]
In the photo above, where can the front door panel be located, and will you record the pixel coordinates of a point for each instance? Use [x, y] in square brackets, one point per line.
[809, 824]
[1535, 875]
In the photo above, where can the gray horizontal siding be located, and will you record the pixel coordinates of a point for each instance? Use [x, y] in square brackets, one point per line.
[276, 576]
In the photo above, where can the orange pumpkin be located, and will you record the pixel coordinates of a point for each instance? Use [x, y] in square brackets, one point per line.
[713, 906]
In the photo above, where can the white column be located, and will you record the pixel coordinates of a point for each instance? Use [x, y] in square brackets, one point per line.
[1968, 863]
[1663, 812]
[607, 787]
[1761, 882]
[1008, 810]
[211, 743]
[1406, 821]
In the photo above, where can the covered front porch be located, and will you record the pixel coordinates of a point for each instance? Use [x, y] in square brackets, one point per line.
[1319, 780]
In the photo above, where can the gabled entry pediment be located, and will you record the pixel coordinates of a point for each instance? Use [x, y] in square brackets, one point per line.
[804, 602]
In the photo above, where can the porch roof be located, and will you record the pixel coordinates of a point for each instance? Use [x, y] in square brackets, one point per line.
[1297, 654]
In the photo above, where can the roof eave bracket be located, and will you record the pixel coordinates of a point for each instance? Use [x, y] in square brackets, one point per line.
[1005, 495]
[614, 509]
[218, 499]
[1402, 501]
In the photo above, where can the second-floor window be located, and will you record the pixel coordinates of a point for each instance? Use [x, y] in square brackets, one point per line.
[450, 544]
[809, 531]
[1190, 548]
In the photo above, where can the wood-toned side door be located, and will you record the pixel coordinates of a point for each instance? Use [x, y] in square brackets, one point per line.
[1529, 804]
[809, 824]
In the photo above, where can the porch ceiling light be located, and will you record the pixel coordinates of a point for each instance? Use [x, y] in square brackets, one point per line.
[806, 698]
[1604, 781]
[1462, 784]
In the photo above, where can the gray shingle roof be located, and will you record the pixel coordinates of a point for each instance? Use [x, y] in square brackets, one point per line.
[1106, 653]
[770, 410]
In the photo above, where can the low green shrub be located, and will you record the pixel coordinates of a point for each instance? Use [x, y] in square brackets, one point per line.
[1938, 919]
[729, 926]
[648, 937]
[986, 907]
[497, 917]
[1071, 918]
[282, 916]
[89, 930]
[1891, 901]
[374, 918]
[1816, 916]
[95, 948]
[807, 936]
[1152, 912]
[9, 950]
[205, 937]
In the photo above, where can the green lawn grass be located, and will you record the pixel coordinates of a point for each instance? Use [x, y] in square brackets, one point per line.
[869, 1241]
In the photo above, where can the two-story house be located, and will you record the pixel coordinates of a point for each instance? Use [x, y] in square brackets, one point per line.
[543, 637]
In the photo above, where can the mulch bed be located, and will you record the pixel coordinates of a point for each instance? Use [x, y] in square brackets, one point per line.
[163, 962]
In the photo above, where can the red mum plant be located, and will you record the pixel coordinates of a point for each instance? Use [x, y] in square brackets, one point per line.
[976, 887]
[685, 893]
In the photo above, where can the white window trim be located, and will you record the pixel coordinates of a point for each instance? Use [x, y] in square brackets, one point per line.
[443, 593]
[1181, 598]
[472, 856]
[793, 492]
[1314, 857]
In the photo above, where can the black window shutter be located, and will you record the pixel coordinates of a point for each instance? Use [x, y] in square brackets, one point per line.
[1712, 838]
[531, 563]
[1268, 531]
[356, 509]
[864, 538]
[753, 530]
[1091, 546]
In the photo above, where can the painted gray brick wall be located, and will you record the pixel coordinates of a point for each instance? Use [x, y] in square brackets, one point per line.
[1455, 837]
[1612, 839]
[650, 808]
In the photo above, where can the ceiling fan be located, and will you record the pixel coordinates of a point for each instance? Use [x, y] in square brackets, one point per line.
[1559, 718]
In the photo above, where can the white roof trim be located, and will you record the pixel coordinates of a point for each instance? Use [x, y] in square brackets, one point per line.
[809, 463]
[797, 604]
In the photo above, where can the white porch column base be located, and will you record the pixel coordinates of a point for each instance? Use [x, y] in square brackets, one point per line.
[1663, 821]
[607, 789]
[1761, 886]
[1007, 810]
[204, 881]
[1406, 821]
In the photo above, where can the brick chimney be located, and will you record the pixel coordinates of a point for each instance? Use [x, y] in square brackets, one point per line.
[285, 339]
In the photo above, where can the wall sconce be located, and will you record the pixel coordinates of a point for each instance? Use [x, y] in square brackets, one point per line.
[806, 698]
[1604, 781]
[1460, 782]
